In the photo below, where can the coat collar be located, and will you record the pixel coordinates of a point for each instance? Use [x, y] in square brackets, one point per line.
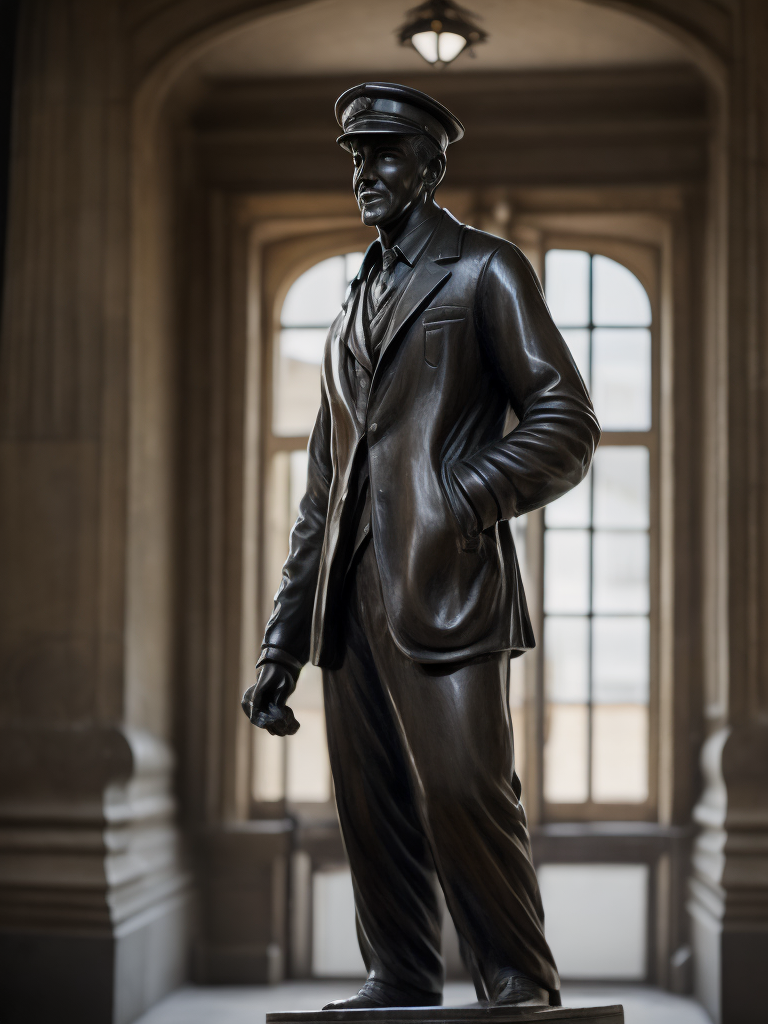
[412, 245]
[429, 275]
[442, 247]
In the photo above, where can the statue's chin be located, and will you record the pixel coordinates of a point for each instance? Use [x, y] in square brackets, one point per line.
[372, 217]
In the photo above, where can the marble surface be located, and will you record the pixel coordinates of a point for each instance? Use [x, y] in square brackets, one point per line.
[249, 1005]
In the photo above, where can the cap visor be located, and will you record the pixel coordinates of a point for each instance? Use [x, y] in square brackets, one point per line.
[345, 139]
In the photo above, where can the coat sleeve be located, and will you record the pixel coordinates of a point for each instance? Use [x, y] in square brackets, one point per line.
[550, 449]
[287, 634]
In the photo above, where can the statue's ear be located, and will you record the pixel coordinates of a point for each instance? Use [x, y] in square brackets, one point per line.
[434, 172]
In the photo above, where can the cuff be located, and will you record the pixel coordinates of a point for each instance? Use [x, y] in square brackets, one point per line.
[477, 493]
[281, 657]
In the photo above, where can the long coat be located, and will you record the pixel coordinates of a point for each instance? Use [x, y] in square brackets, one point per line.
[470, 337]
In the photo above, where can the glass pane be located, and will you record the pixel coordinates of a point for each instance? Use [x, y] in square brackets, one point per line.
[618, 298]
[352, 263]
[620, 753]
[313, 300]
[565, 753]
[597, 924]
[620, 572]
[519, 528]
[268, 782]
[567, 280]
[296, 398]
[517, 709]
[621, 378]
[620, 656]
[298, 482]
[279, 519]
[566, 659]
[566, 571]
[308, 769]
[621, 487]
[335, 949]
[577, 340]
[304, 344]
[573, 509]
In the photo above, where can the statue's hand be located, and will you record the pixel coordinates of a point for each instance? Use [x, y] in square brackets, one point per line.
[264, 702]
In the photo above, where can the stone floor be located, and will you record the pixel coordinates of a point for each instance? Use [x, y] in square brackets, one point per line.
[245, 1005]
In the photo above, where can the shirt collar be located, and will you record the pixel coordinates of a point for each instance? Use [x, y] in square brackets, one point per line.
[409, 246]
[412, 244]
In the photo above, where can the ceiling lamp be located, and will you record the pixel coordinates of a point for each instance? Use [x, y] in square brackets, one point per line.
[440, 30]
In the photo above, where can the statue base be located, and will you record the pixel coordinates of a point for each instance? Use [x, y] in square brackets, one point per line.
[472, 1014]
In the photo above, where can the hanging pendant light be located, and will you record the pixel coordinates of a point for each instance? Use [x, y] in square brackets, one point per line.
[440, 30]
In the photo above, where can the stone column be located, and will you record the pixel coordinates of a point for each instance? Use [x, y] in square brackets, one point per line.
[93, 894]
[729, 886]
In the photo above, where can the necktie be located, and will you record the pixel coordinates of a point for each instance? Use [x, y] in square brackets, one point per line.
[385, 276]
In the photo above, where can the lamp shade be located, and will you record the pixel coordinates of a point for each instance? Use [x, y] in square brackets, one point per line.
[439, 30]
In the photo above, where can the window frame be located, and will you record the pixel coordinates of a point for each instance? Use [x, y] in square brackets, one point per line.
[591, 810]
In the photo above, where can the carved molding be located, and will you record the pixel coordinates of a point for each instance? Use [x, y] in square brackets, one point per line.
[88, 839]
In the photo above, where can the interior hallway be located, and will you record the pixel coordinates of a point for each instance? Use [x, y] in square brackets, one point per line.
[248, 1005]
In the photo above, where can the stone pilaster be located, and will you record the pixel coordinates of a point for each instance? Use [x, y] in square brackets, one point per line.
[729, 884]
[94, 895]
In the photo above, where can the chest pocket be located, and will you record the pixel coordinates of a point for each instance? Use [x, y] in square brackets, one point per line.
[438, 333]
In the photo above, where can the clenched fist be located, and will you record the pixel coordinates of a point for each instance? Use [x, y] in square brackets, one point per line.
[264, 702]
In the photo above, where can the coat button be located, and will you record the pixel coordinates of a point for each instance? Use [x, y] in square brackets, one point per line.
[366, 529]
[374, 427]
[363, 384]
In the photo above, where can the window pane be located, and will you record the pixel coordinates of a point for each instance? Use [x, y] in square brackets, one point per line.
[566, 571]
[621, 378]
[565, 753]
[352, 263]
[278, 520]
[620, 658]
[620, 572]
[519, 528]
[517, 710]
[573, 509]
[303, 344]
[567, 279]
[620, 753]
[298, 481]
[308, 769]
[268, 782]
[597, 922]
[296, 397]
[621, 487]
[313, 300]
[577, 340]
[566, 659]
[618, 298]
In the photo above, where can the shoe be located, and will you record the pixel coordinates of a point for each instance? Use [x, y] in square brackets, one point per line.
[376, 994]
[514, 989]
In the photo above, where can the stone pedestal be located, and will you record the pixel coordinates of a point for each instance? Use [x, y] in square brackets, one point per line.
[473, 1014]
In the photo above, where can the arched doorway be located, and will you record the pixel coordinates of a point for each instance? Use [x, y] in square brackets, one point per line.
[498, 191]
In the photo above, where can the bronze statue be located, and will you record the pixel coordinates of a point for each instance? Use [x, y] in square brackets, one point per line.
[402, 580]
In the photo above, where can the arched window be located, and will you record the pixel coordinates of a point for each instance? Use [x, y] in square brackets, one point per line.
[587, 561]
[596, 586]
[597, 593]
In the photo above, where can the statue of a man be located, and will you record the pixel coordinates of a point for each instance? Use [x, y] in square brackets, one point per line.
[402, 580]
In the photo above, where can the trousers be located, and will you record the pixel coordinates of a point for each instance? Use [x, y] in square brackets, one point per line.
[422, 758]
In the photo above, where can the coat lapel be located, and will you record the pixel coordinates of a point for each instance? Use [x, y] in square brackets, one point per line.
[351, 303]
[428, 278]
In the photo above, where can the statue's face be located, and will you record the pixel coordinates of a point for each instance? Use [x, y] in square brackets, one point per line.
[389, 178]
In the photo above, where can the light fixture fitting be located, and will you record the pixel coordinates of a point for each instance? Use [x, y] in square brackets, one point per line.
[439, 30]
